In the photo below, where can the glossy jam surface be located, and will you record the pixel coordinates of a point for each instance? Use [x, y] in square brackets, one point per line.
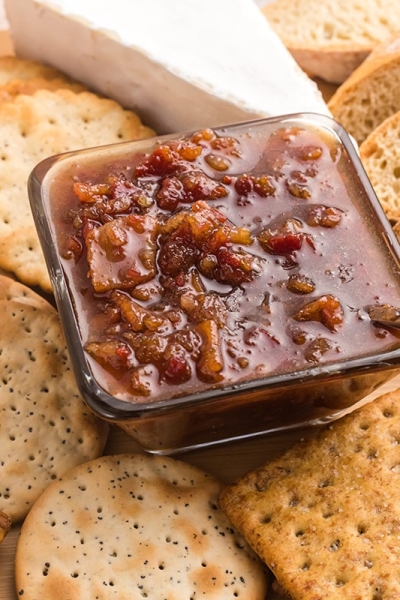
[217, 259]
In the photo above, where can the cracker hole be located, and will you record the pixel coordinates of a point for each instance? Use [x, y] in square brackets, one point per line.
[294, 501]
[340, 583]
[75, 575]
[368, 564]
[334, 547]
[364, 426]
[387, 414]
[266, 519]
[372, 454]
[324, 483]
[305, 566]
[361, 529]
[299, 533]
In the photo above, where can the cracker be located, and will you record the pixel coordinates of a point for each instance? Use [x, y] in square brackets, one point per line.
[13, 67]
[33, 127]
[134, 526]
[5, 525]
[45, 428]
[12, 88]
[14, 290]
[325, 516]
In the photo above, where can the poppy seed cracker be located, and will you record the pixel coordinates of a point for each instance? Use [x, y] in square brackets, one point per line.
[134, 526]
[45, 427]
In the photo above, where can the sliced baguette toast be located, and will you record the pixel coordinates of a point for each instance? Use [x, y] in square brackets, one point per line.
[371, 93]
[330, 38]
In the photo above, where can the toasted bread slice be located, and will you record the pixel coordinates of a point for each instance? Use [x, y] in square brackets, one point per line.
[330, 39]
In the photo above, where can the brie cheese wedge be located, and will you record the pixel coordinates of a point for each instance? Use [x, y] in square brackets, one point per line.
[181, 64]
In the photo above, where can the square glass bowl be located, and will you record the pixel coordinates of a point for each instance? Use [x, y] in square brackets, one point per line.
[221, 284]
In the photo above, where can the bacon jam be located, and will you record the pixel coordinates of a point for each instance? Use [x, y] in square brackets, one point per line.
[216, 259]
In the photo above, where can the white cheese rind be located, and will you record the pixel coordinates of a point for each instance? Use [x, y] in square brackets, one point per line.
[181, 64]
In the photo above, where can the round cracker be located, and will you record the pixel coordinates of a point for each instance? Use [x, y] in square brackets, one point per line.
[45, 427]
[32, 128]
[14, 290]
[13, 67]
[5, 525]
[12, 88]
[134, 526]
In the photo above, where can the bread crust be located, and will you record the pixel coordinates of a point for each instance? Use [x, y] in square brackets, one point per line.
[380, 155]
[334, 65]
[371, 93]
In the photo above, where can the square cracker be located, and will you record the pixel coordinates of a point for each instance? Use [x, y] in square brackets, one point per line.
[325, 516]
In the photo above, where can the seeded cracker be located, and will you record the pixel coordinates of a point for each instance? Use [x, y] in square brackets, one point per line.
[34, 127]
[134, 526]
[45, 428]
[325, 516]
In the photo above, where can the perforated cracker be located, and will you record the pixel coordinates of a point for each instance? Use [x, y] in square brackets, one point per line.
[14, 67]
[45, 427]
[134, 526]
[325, 516]
[32, 128]
[13, 87]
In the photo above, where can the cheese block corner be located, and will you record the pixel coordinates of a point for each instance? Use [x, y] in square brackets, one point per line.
[180, 65]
